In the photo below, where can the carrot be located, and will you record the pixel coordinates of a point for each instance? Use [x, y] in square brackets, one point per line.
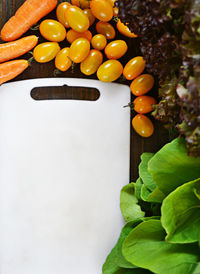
[25, 17]
[11, 69]
[17, 48]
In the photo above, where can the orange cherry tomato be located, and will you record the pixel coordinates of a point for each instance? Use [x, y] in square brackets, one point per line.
[83, 4]
[106, 29]
[142, 84]
[116, 49]
[123, 29]
[52, 30]
[77, 19]
[79, 50]
[99, 41]
[110, 71]
[143, 104]
[143, 125]
[91, 64]
[72, 35]
[62, 61]
[46, 52]
[60, 12]
[134, 68]
[102, 10]
[90, 15]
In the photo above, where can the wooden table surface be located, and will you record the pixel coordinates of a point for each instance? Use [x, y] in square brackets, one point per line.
[138, 144]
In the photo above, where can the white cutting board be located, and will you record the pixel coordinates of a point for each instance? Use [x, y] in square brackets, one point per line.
[62, 165]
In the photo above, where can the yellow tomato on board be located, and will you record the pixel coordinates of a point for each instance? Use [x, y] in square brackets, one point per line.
[134, 67]
[99, 41]
[143, 104]
[60, 13]
[90, 15]
[116, 49]
[142, 84]
[143, 125]
[79, 50]
[52, 30]
[115, 11]
[83, 4]
[62, 61]
[46, 52]
[123, 29]
[77, 19]
[91, 64]
[72, 35]
[102, 10]
[110, 71]
[106, 29]
[112, 2]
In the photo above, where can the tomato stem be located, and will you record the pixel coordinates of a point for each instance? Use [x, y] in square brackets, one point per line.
[115, 19]
[56, 72]
[30, 60]
[35, 27]
[131, 105]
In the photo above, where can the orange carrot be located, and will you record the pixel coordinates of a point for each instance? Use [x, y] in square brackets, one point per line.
[17, 48]
[11, 69]
[25, 17]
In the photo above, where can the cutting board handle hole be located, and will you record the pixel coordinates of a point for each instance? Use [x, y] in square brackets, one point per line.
[65, 93]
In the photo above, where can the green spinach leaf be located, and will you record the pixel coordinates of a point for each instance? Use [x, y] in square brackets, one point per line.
[128, 203]
[143, 172]
[146, 247]
[181, 214]
[138, 187]
[171, 166]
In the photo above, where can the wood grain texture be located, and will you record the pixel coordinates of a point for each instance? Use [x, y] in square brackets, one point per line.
[138, 144]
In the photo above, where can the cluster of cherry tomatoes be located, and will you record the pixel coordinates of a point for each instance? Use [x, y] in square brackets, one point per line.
[77, 17]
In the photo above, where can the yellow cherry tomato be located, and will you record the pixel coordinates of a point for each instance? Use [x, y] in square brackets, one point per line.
[110, 71]
[102, 10]
[52, 30]
[115, 11]
[99, 41]
[112, 2]
[142, 84]
[143, 104]
[46, 52]
[91, 64]
[116, 49]
[143, 125]
[123, 29]
[134, 68]
[60, 13]
[106, 29]
[77, 19]
[62, 61]
[83, 4]
[90, 15]
[72, 35]
[79, 50]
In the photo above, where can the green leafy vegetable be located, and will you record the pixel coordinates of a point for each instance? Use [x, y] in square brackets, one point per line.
[172, 167]
[143, 172]
[115, 259]
[146, 247]
[181, 214]
[156, 196]
[138, 187]
[168, 188]
[128, 203]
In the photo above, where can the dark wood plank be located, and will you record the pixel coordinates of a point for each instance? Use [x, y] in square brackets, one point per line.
[138, 144]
